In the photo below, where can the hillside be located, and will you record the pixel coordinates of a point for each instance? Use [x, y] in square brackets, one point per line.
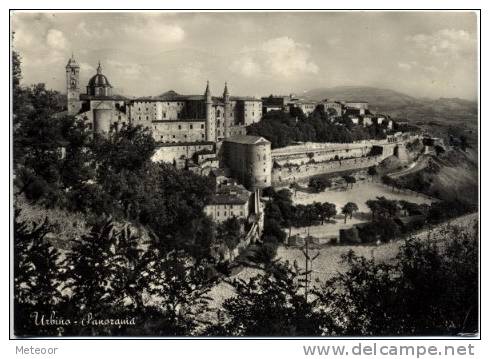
[397, 104]
[452, 175]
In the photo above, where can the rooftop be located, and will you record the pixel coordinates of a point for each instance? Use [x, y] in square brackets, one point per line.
[230, 194]
[246, 139]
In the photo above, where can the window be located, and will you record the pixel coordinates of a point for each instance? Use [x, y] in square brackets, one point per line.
[217, 214]
[202, 136]
[202, 126]
[241, 213]
[173, 136]
[161, 137]
[225, 214]
[180, 127]
[190, 127]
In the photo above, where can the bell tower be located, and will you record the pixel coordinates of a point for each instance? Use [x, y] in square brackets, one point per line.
[210, 116]
[73, 103]
[227, 111]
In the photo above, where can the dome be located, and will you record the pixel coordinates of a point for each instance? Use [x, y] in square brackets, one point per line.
[99, 80]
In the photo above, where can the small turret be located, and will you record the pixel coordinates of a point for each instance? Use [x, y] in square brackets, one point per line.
[210, 119]
[207, 93]
[226, 94]
[99, 69]
[227, 111]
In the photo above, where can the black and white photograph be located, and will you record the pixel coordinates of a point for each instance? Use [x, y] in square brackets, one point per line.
[245, 174]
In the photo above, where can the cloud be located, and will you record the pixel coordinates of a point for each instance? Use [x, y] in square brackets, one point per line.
[288, 58]
[407, 65]
[281, 56]
[445, 42]
[246, 66]
[155, 31]
[191, 73]
[56, 40]
[126, 69]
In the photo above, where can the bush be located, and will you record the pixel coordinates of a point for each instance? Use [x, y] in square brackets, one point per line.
[319, 184]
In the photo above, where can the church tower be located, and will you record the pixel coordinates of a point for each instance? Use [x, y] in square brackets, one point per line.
[210, 118]
[73, 103]
[227, 111]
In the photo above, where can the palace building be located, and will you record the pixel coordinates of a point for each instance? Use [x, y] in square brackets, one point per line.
[172, 118]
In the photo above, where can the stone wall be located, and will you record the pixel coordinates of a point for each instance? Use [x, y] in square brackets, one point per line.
[173, 152]
[287, 175]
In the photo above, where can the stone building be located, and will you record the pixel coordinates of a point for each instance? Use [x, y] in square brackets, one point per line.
[360, 106]
[249, 159]
[332, 107]
[229, 201]
[172, 118]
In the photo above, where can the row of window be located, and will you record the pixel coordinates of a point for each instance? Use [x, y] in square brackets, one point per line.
[185, 137]
[226, 213]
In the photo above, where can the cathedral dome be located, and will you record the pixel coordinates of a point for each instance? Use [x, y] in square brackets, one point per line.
[99, 80]
[99, 85]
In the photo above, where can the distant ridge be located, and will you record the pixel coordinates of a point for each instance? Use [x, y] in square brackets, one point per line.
[398, 104]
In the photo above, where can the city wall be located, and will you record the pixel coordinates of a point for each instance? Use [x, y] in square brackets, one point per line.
[296, 163]
[285, 175]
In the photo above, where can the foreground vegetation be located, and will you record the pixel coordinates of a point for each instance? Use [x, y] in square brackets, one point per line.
[158, 283]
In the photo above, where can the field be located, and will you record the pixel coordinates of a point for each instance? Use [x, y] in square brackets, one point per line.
[328, 262]
[359, 194]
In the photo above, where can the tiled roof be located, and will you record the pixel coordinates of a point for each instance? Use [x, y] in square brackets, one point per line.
[246, 139]
[230, 194]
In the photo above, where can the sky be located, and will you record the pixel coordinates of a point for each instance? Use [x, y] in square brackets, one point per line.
[423, 54]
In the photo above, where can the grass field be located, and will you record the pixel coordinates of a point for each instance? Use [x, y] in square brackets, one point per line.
[328, 263]
[359, 194]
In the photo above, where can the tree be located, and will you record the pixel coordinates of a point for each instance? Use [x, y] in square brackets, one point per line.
[229, 233]
[372, 171]
[327, 211]
[428, 290]
[348, 209]
[270, 304]
[37, 277]
[180, 287]
[319, 184]
[349, 180]
[93, 266]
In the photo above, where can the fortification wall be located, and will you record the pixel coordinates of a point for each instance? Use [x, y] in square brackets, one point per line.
[171, 153]
[286, 175]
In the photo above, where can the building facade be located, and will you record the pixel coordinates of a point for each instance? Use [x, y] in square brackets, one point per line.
[249, 160]
[172, 118]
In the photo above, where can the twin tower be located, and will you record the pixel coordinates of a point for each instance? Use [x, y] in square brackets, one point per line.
[217, 111]
[221, 117]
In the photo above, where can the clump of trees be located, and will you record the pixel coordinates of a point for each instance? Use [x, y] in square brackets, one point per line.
[349, 209]
[429, 290]
[284, 128]
[319, 184]
[108, 273]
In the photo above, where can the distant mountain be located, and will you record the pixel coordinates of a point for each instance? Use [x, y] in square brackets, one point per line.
[375, 96]
[169, 95]
[399, 105]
